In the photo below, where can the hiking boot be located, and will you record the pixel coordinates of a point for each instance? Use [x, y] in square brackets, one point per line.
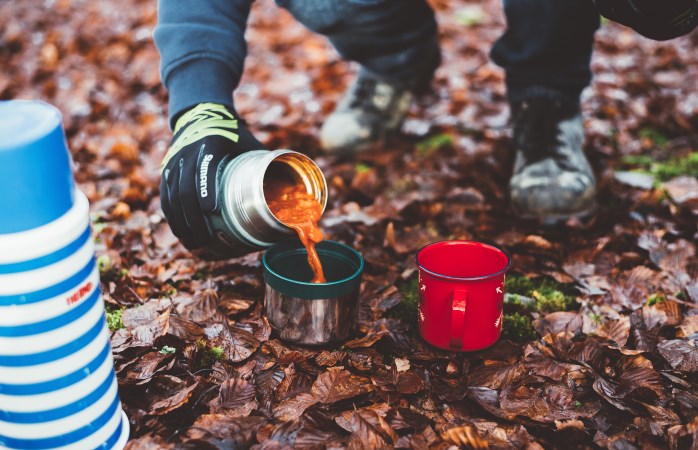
[368, 111]
[552, 180]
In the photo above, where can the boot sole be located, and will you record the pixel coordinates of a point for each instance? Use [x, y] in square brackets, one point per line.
[582, 218]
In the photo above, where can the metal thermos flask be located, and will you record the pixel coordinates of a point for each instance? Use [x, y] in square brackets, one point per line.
[244, 223]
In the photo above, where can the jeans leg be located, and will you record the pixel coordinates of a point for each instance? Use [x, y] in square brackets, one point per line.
[393, 40]
[546, 49]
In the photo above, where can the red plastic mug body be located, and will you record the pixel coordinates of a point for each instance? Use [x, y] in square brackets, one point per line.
[461, 294]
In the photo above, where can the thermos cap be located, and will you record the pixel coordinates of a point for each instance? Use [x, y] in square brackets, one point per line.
[286, 266]
[36, 179]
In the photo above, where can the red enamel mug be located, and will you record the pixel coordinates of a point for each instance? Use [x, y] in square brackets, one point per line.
[461, 294]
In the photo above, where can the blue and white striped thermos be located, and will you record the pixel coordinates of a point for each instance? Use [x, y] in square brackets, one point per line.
[57, 383]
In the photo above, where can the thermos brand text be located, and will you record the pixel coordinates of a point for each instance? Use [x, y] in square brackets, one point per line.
[203, 177]
[79, 294]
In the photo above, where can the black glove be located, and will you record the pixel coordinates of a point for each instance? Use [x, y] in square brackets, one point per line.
[205, 139]
[656, 19]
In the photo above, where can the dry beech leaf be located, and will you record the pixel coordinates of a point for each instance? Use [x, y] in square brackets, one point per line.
[202, 308]
[366, 341]
[145, 367]
[617, 331]
[629, 374]
[559, 321]
[185, 329]
[179, 399]
[572, 423]
[334, 385]
[682, 354]
[148, 442]
[339, 384]
[238, 345]
[368, 427]
[327, 358]
[466, 436]
[236, 398]
[495, 374]
[688, 327]
[219, 428]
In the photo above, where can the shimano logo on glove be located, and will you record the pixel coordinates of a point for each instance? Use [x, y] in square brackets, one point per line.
[203, 175]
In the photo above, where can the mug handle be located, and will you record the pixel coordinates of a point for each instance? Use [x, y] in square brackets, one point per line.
[458, 304]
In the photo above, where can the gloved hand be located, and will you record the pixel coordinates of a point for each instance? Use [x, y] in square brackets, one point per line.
[205, 139]
[655, 19]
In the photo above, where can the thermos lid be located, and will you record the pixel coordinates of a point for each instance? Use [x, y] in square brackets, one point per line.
[286, 270]
[36, 179]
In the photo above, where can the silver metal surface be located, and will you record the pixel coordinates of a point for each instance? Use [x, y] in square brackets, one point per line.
[311, 322]
[245, 222]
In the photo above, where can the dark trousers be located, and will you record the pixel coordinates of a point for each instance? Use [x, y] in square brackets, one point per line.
[545, 51]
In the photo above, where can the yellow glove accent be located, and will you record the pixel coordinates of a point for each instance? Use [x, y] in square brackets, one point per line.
[203, 120]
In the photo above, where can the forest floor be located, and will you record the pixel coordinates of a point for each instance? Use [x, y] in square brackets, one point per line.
[601, 321]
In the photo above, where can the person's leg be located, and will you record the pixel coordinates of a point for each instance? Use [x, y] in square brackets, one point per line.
[546, 48]
[395, 42]
[546, 52]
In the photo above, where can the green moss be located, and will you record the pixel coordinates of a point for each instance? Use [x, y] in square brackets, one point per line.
[681, 296]
[551, 300]
[655, 136]
[114, 321]
[167, 350]
[103, 263]
[578, 404]
[217, 353]
[688, 165]
[637, 160]
[206, 355]
[518, 328]
[406, 310]
[362, 168]
[663, 170]
[167, 290]
[431, 144]
[549, 295]
[655, 299]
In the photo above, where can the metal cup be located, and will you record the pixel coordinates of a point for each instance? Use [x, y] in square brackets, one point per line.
[302, 312]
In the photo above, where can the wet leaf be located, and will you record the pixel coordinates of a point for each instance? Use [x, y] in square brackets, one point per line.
[617, 331]
[682, 354]
[466, 436]
[238, 345]
[178, 400]
[495, 374]
[683, 191]
[339, 384]
[619, 358]
[222, 431]
[145, 367]
[236, 398]
[368, 427]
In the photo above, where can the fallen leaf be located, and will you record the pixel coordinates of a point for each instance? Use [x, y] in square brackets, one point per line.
[238, 345]
[236, 398]
[617, 331]
[368, 428]
[179, 399]
[682, 354]
[683, 191]
[466, 436]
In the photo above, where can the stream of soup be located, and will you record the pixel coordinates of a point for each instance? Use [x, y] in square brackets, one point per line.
[300, 210]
